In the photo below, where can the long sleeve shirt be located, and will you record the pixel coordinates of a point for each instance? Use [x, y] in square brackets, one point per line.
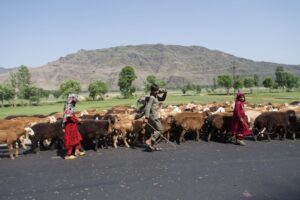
[152, 106]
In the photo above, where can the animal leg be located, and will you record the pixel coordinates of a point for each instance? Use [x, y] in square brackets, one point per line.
[17, 149]
[197, 135]
[22, 142]
[52, 141]
[261, 133]
[294, 136]
[96, 143]
[181, 139]
[209, 136]
[125, 139]
[168, 135]
[34, 144]
[10, 151]
[115, 140]
[284, 133]
[254, 136]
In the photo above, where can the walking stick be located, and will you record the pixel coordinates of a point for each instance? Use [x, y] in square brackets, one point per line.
[161, 135]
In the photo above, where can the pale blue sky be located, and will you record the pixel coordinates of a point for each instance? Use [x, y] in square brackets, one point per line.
[35, 32]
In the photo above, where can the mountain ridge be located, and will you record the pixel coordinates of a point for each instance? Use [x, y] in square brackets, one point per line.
[176, 64]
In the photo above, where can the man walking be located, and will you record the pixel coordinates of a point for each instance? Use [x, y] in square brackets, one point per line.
[152, 117]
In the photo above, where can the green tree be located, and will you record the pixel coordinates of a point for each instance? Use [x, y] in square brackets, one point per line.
[31, 93]
[285, 79]
[69, 87]
[44, 93]
[256, 80]
[190, 86]
[238, 83]
[13, 79]
[14, 83]
[214, 84]
[23, 77]
[198, 89]
[280, 77]
[249, 82]
[56, 93]
[151, 79]
[225, 81]
[184, 89]
[1, 95]
[292, 81]
[97, 87]
[161, 83]
[8, 92]
[126, 77]
[268, 83]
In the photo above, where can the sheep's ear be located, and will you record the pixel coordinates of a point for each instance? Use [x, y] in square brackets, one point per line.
[29, 131]
[52, 119]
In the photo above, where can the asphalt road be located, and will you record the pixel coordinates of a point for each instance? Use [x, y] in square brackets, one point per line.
[260, 170]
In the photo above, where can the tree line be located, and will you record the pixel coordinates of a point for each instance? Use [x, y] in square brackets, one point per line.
[20, 85]
[283, 80]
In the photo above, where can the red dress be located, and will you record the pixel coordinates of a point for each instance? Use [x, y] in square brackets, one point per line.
[239, 129]
[72, 136]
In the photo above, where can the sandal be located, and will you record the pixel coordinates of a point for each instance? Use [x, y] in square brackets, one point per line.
[150, 146]
[240, 142]
[71, 157]
[79, 153]
[158, 149]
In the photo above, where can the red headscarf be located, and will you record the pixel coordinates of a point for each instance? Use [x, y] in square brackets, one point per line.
[239, 95]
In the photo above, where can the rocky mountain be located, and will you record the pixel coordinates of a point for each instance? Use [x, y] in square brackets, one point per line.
[177, 65]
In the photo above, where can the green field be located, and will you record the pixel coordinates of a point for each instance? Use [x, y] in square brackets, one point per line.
[173, 98]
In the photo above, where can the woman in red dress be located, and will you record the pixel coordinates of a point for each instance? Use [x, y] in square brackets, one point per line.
[72, 137]
[240, 128]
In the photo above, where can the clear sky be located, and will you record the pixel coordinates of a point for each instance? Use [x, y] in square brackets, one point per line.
[35, 32]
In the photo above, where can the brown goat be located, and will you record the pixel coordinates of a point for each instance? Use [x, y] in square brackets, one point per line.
[186, 121]
[10, 136]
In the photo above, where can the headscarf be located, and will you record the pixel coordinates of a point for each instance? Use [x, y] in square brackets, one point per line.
[239, 95]
[69, 107]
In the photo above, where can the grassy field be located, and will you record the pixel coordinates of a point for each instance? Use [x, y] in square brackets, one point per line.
[173, 98]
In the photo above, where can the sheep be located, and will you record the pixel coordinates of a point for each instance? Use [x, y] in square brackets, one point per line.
[274, 121]
[218, 125]
[94, 130]
[43, 131]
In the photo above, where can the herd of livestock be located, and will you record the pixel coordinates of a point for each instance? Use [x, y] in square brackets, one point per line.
[120, 126]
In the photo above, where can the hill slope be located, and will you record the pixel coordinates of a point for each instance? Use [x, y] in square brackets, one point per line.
[177, 65]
